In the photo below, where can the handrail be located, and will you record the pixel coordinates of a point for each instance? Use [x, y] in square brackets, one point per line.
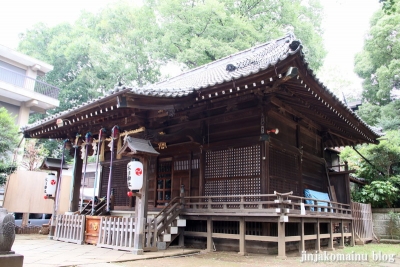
[168, 206]
[23, 81]
[273, 203]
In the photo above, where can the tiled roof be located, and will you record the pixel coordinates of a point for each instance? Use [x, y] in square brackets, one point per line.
[246, 62]
[241, 64]
[137, 145]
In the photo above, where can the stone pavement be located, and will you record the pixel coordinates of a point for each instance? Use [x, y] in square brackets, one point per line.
[39, 251]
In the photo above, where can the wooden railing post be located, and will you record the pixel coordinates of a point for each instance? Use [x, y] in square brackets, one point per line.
[182, 195]
[209, 234]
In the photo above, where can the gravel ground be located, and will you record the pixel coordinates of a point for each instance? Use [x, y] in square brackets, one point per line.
[232, 259]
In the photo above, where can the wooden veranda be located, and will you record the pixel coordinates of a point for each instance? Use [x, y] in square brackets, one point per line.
[270, 219]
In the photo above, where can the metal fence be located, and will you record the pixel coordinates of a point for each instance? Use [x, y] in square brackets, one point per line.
[26, 82]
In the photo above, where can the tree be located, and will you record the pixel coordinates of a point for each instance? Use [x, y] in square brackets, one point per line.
[8, 143]
[379, 62]
[197, 32]
[381, 169]
[381, 194]
[127, 44]
[33, 155]
[388, 6]
[96, 53]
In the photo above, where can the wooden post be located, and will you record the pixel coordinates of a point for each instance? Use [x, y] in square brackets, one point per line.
[202, 172]
[263, 163]
[318, 240]
[76, 182]
[302, 246]
[209, 234]
[25, 218]
[266, 173]
[181, 241]
[341, 226]
[353, 235]
[330, 243]
[242, 236]
[281, 240]
[141, 211]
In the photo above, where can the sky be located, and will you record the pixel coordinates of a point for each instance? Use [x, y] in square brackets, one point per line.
[345, 22]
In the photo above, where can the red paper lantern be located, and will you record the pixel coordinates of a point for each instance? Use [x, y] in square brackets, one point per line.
[130, 194]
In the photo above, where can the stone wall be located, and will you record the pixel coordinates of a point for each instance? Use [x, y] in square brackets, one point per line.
[381, 219]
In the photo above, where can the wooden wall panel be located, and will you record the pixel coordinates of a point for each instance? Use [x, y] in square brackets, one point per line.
[283, 171]
[311, 142]
[25, 191]
[314, 175]
[287, 128]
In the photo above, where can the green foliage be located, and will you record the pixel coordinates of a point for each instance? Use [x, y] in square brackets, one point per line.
[8, 132]
[6, 168]
[126, 44]
[383, 177]
[388, 6]
[370, 113]
[97, 52]
[385, 157]
[8, 142]
[386, 117]
[197, 32]
[381, 194]
[379, 63]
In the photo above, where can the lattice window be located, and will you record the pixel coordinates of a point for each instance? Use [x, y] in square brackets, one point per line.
[244, 186]
[182, 165]
[233, 162]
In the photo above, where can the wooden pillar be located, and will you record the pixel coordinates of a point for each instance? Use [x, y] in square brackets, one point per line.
[76, 182]
[330, 243]
[25, 219]
[209, 234]
[202, 172]
[341, 226]
[281, 240]
[242, 236]
[263, 164]
[317, 233]
[302, 246]
[300, 160]
[141, 210]
[181, 237]
[52, 227]
[353, 234]
[266, 162]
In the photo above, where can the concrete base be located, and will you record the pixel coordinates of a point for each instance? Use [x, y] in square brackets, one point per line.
[330, 249]
[389, 241]
[340, 247]
[281, 257]
[135, 252]
[11, 260]
[242, 253]
[161, 245]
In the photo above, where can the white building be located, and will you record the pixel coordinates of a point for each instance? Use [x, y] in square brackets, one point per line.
[21, 93]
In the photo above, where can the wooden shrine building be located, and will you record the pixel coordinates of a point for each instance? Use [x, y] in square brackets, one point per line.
[243, 137]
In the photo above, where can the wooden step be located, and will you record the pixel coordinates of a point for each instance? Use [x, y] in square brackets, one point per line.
[181, 223]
